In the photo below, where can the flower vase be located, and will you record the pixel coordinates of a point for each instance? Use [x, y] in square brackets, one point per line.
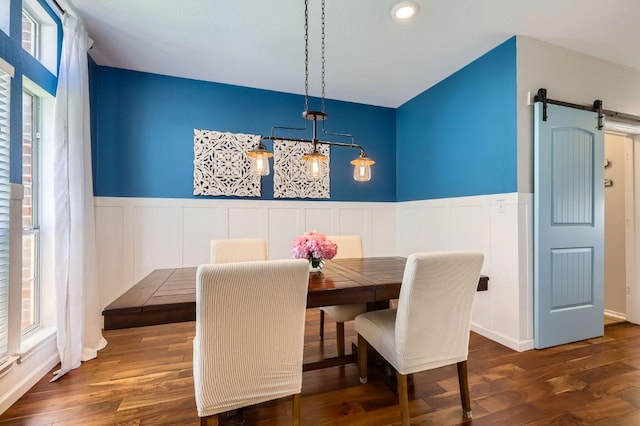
[315, 265]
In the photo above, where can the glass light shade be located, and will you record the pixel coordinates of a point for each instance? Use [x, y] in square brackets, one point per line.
[362, 172]
[260, 160]
[314, 164]
[260, 165]
[362, 168]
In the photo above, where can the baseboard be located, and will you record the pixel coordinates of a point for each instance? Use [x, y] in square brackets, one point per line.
[29, 377]
[616, 315]
[519, 346]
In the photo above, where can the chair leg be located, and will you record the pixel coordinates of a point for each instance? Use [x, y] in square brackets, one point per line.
[464, 389]
[340, 338]
[321, 324]
[362, 358]
[403, 396]
[204, 421]
[296, 410]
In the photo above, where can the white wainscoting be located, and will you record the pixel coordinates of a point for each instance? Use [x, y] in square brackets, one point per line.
[498, 225]
[137, 235]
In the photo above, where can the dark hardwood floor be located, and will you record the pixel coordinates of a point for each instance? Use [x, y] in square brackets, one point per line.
[143, 377]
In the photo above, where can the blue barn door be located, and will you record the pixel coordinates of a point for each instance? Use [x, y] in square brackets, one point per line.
[568, 226]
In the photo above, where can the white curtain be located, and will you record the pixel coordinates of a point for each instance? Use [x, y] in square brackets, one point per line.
[74, 260]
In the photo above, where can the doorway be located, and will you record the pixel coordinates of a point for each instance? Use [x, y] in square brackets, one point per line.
[618, 167]
[627, 134]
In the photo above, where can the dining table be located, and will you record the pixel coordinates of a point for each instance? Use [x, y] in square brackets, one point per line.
[168, 295]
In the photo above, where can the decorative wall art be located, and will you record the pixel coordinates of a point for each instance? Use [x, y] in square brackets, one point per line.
[290, 178]
[220, 166]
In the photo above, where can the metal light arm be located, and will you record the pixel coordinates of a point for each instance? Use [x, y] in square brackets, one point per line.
[314, 116]
[316, 141]
[274, 128]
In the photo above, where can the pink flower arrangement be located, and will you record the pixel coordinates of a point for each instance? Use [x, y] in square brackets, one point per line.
[313, 245]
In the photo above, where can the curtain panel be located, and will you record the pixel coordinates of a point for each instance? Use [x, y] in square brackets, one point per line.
[79, 332]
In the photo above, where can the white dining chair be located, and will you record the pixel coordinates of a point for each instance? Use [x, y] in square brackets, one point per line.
[249, 340]
[430, 327]
[349, 247]
[238, 250]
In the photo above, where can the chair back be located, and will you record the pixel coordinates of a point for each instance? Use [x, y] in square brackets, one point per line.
[250, 320]
[349, 246]
[434, 309]
[238, 250]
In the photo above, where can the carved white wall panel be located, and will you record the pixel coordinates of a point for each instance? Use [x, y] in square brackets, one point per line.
[220, 166]
[290, 178]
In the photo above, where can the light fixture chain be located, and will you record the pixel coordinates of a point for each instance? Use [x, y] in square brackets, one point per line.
[323, 54]
[306, 55]
[260, 155]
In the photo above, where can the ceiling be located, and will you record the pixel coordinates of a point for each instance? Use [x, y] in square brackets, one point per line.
[370, 58]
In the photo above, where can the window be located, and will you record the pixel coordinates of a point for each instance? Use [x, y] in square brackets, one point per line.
[5, 12]
[30, 34]
[30, 219]
[5, 195]
[39, 34]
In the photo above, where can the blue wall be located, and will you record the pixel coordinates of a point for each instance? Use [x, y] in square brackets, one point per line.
[25, 65]
[459, 138]
[143, 127]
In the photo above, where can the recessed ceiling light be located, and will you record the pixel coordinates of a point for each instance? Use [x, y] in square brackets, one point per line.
[404, 10]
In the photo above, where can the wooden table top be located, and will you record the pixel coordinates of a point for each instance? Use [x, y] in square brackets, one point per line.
[341, 281]
[344, 281]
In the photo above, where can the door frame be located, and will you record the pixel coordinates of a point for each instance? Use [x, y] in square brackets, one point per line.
[632, 235]
[632, 216]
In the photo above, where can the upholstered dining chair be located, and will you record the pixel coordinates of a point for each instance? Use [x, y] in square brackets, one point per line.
[250, 320]
[430, 327]
[238, 250]
[349, 246]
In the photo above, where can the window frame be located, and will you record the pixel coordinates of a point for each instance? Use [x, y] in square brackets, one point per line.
[47, 34]
[34, 229]
[36, 38]
[7, 337]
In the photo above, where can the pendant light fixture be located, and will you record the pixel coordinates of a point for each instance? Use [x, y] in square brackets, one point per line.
[260, 160]
[314, 159]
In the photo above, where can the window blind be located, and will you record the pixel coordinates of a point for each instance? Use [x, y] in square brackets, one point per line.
[5, 197]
